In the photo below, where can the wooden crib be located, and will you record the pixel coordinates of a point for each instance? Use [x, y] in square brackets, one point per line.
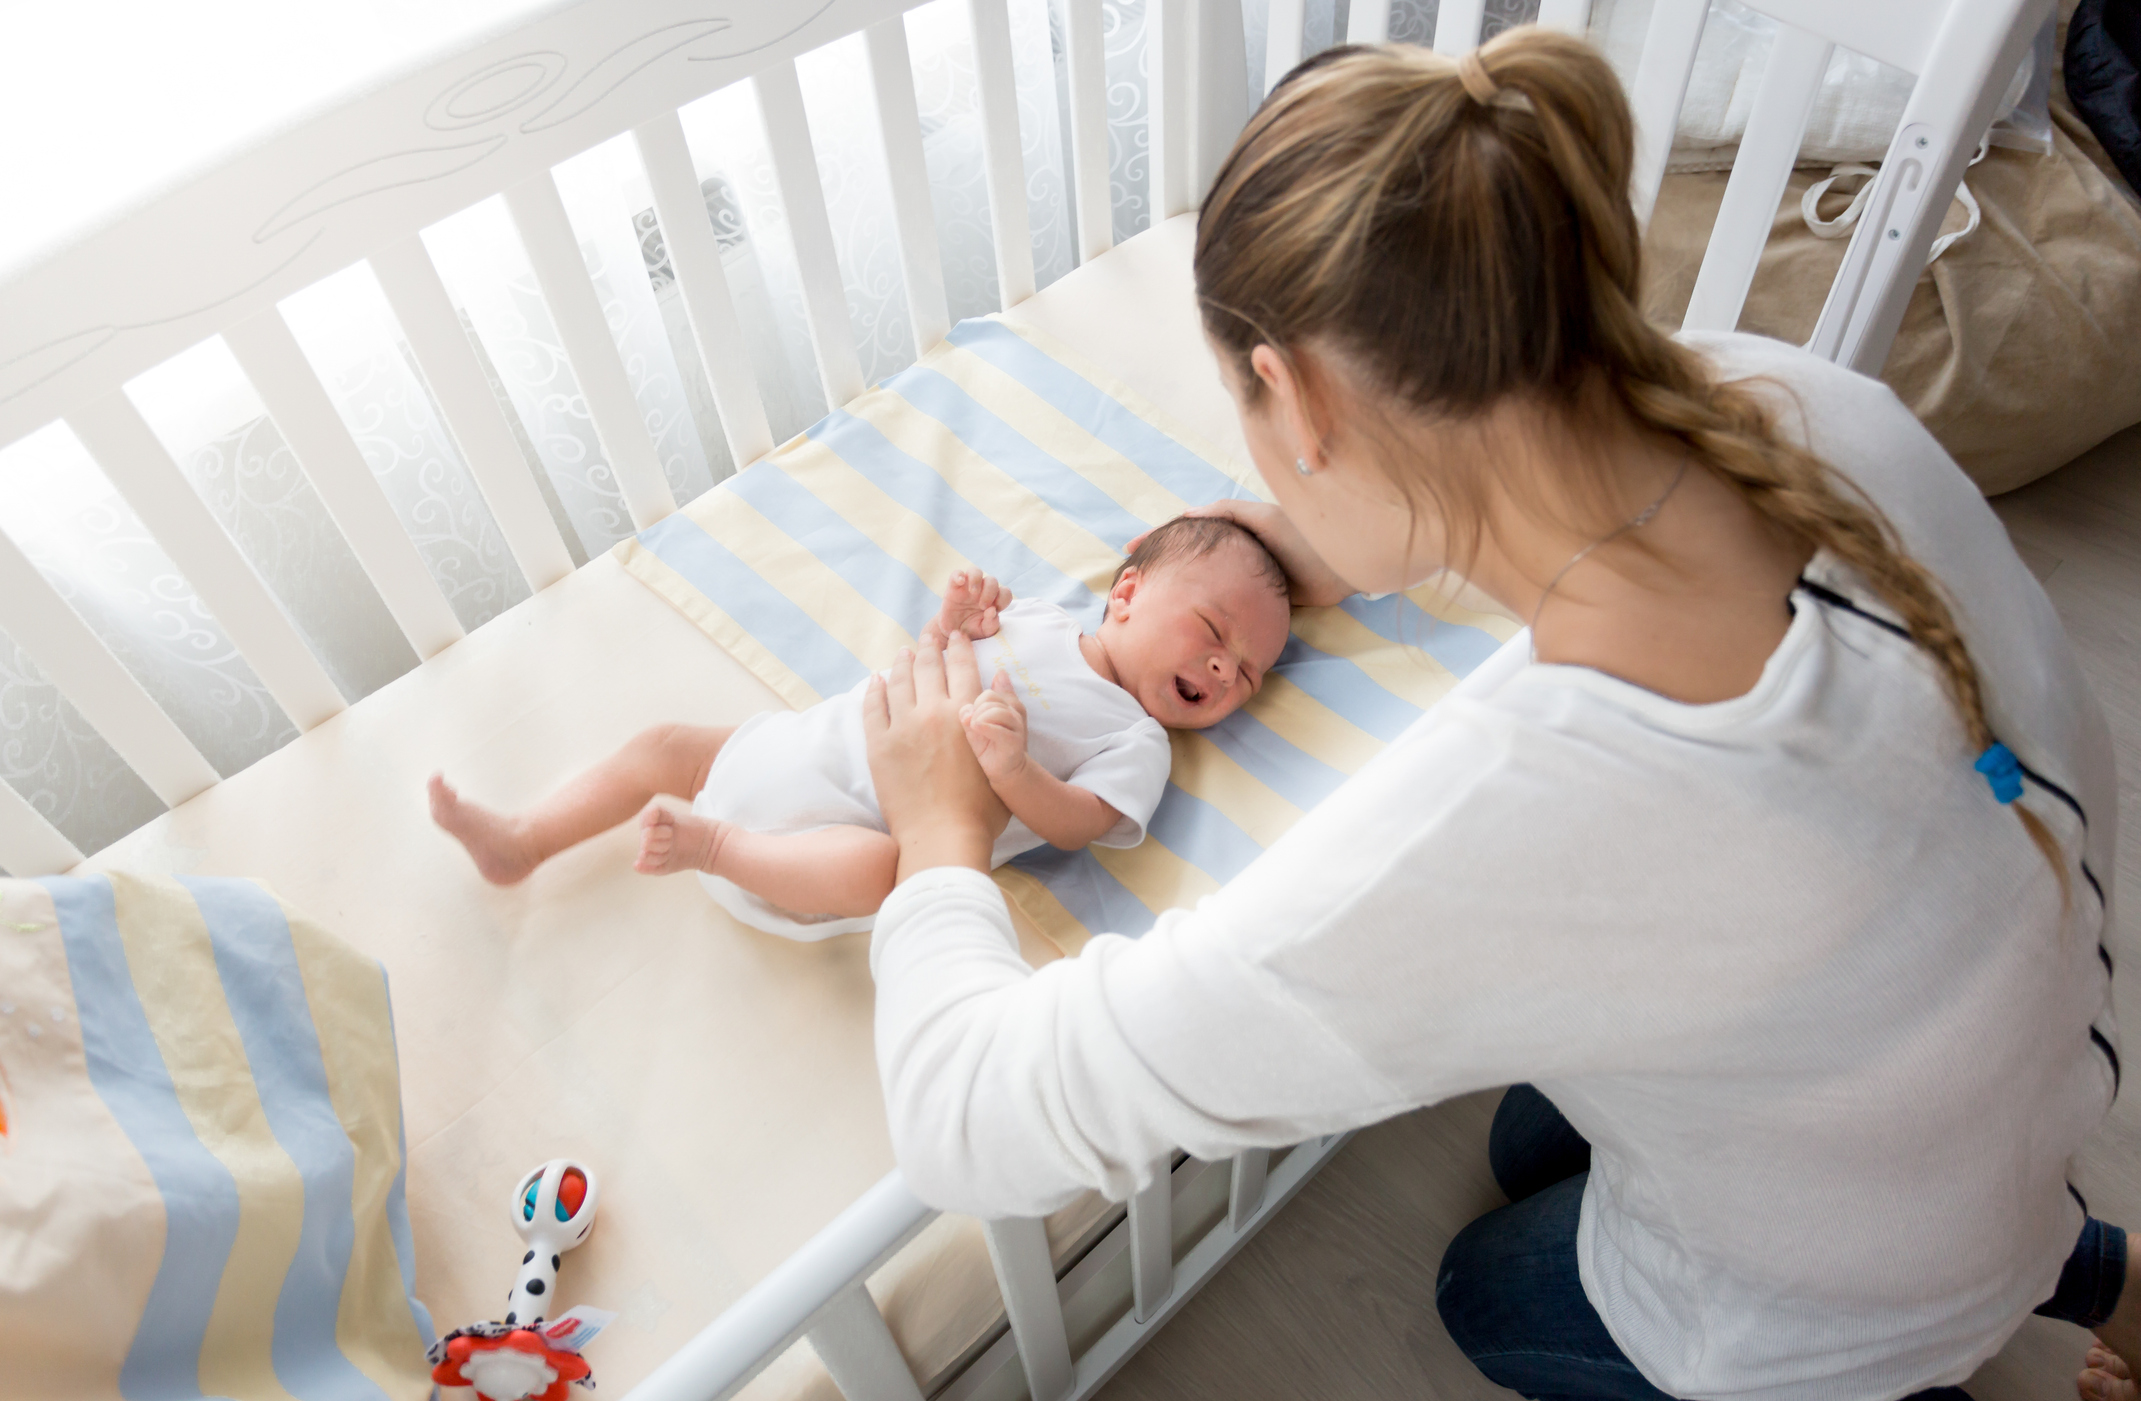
[336, 815]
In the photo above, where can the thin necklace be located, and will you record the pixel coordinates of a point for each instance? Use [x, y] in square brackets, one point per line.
[1640, 519]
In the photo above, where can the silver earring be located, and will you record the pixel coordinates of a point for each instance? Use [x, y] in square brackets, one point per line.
[1301, 466]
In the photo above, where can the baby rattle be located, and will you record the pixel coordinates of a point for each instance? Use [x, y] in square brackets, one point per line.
[522, 1357]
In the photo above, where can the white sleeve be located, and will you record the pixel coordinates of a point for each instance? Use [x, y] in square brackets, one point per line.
[1130, 775]
[1010, 1090]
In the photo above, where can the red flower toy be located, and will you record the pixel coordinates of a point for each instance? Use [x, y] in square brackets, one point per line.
[509, 1367]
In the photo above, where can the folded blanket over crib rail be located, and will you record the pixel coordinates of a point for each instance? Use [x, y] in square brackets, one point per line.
[999, 450]
[201, 1159]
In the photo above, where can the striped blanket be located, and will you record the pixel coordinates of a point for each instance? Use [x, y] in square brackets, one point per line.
[998, 449]
[200, 1151]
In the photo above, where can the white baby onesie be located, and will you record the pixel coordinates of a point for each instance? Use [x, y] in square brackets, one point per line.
[799, 770]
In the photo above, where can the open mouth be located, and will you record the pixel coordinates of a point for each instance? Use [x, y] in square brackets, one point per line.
[1189, 692]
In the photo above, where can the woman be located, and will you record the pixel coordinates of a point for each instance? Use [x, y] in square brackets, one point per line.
[1771, 872]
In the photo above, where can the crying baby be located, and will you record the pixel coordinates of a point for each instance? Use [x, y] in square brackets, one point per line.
[779, 816]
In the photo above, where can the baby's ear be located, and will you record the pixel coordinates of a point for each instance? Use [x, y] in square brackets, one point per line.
[1125, 588]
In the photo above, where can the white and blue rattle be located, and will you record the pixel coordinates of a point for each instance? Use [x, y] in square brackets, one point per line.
[522, 1356]
[553, 1209]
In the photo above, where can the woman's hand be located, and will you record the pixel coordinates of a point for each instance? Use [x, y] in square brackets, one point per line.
[937, 802]
[1312, 583]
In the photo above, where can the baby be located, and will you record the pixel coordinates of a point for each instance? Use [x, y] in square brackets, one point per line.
[782, 821]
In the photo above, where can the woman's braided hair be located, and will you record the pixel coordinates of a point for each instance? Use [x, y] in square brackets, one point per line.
[1457, 251]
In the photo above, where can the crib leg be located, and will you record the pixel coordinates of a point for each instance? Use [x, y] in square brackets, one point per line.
[1152, 1244]
[851, 1339]
[1245, 1192]
[1027, 1277]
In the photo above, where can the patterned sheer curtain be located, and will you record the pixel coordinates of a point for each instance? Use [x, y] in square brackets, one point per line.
[82, 536]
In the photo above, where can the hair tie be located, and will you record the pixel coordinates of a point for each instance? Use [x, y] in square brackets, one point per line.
[1473, 74]
[2002, 770]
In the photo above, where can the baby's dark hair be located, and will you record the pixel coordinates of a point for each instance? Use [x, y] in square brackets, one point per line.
[1192, 537]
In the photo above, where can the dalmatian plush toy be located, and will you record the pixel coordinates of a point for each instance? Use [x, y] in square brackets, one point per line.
[521, 1357]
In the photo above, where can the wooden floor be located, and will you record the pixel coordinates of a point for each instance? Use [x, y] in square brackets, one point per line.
[1335, 1299]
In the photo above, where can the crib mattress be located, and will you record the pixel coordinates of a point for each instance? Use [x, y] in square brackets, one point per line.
[721, 1081]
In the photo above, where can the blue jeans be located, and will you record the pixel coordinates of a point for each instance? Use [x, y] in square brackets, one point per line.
[1509, 1292]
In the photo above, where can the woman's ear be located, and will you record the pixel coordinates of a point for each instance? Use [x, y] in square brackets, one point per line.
[1297, 408]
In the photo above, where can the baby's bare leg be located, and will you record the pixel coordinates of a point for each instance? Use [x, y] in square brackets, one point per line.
[832, 871]
[508, 846]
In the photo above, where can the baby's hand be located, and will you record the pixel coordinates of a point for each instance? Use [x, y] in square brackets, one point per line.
[996, 728]
[971, 601]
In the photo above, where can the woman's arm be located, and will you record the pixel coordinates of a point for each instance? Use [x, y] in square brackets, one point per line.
[1009, 1091]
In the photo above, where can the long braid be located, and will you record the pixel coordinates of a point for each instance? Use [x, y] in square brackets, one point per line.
[1733, 433]
[1464, 244]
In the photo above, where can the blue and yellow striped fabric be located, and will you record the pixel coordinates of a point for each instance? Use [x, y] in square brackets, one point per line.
[1000, 450]
[201, 1192]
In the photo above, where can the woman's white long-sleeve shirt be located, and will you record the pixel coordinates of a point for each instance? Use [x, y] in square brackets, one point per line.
[1806, 986]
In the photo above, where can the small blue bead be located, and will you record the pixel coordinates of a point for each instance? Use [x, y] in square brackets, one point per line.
[2002, 770]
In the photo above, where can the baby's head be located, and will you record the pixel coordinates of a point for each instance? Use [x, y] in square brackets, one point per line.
[1197, 615]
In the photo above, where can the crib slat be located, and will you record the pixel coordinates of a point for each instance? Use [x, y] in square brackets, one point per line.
[1089, 128]
[1569, 16]
[1002, 154]
[1018, 1246]
[29, 845]
[76, 660]
[1170, 29]
[138, 464]
[1661, 85]
[851, 1339]
[810, 230]
[554, 253]
[1282, 40]
[1457, 25]
[1776, 126]
[473, 415]
[1368, 22]
[695, 258]
[308, 422]
[1152, 1244]
[1245, 1189]
[1220, 57]
[899, 123]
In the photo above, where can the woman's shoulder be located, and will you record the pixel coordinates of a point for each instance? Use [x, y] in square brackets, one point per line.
[1815, 398]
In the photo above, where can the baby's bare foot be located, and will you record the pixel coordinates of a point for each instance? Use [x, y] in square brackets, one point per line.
[501, 850]
[674, 838]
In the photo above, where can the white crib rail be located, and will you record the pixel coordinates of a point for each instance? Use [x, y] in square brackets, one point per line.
[478, 424]
[820, 1292]
[299, 405]
[1000, 150]
[554, 253]
[695, 257]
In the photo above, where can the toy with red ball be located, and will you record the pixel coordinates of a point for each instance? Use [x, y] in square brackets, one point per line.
[519, 1357]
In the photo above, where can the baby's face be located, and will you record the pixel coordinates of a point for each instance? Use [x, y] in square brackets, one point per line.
[1193, 640]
